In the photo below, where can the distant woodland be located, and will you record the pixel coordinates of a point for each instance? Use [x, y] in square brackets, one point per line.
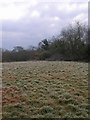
[70, 45]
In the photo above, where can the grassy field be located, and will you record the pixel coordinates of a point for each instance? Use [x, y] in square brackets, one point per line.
[0, 90]
[43, 89]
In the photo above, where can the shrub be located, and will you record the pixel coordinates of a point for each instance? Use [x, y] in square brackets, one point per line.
[44, 55]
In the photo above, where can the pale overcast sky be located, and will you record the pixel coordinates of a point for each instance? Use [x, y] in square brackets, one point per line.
[27, 22]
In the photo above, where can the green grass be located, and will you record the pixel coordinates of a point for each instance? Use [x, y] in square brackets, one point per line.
[42, 89]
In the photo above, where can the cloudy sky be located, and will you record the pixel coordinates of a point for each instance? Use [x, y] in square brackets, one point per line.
[27, 22]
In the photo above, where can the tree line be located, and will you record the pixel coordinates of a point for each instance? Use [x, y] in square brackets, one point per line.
[70, 45]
